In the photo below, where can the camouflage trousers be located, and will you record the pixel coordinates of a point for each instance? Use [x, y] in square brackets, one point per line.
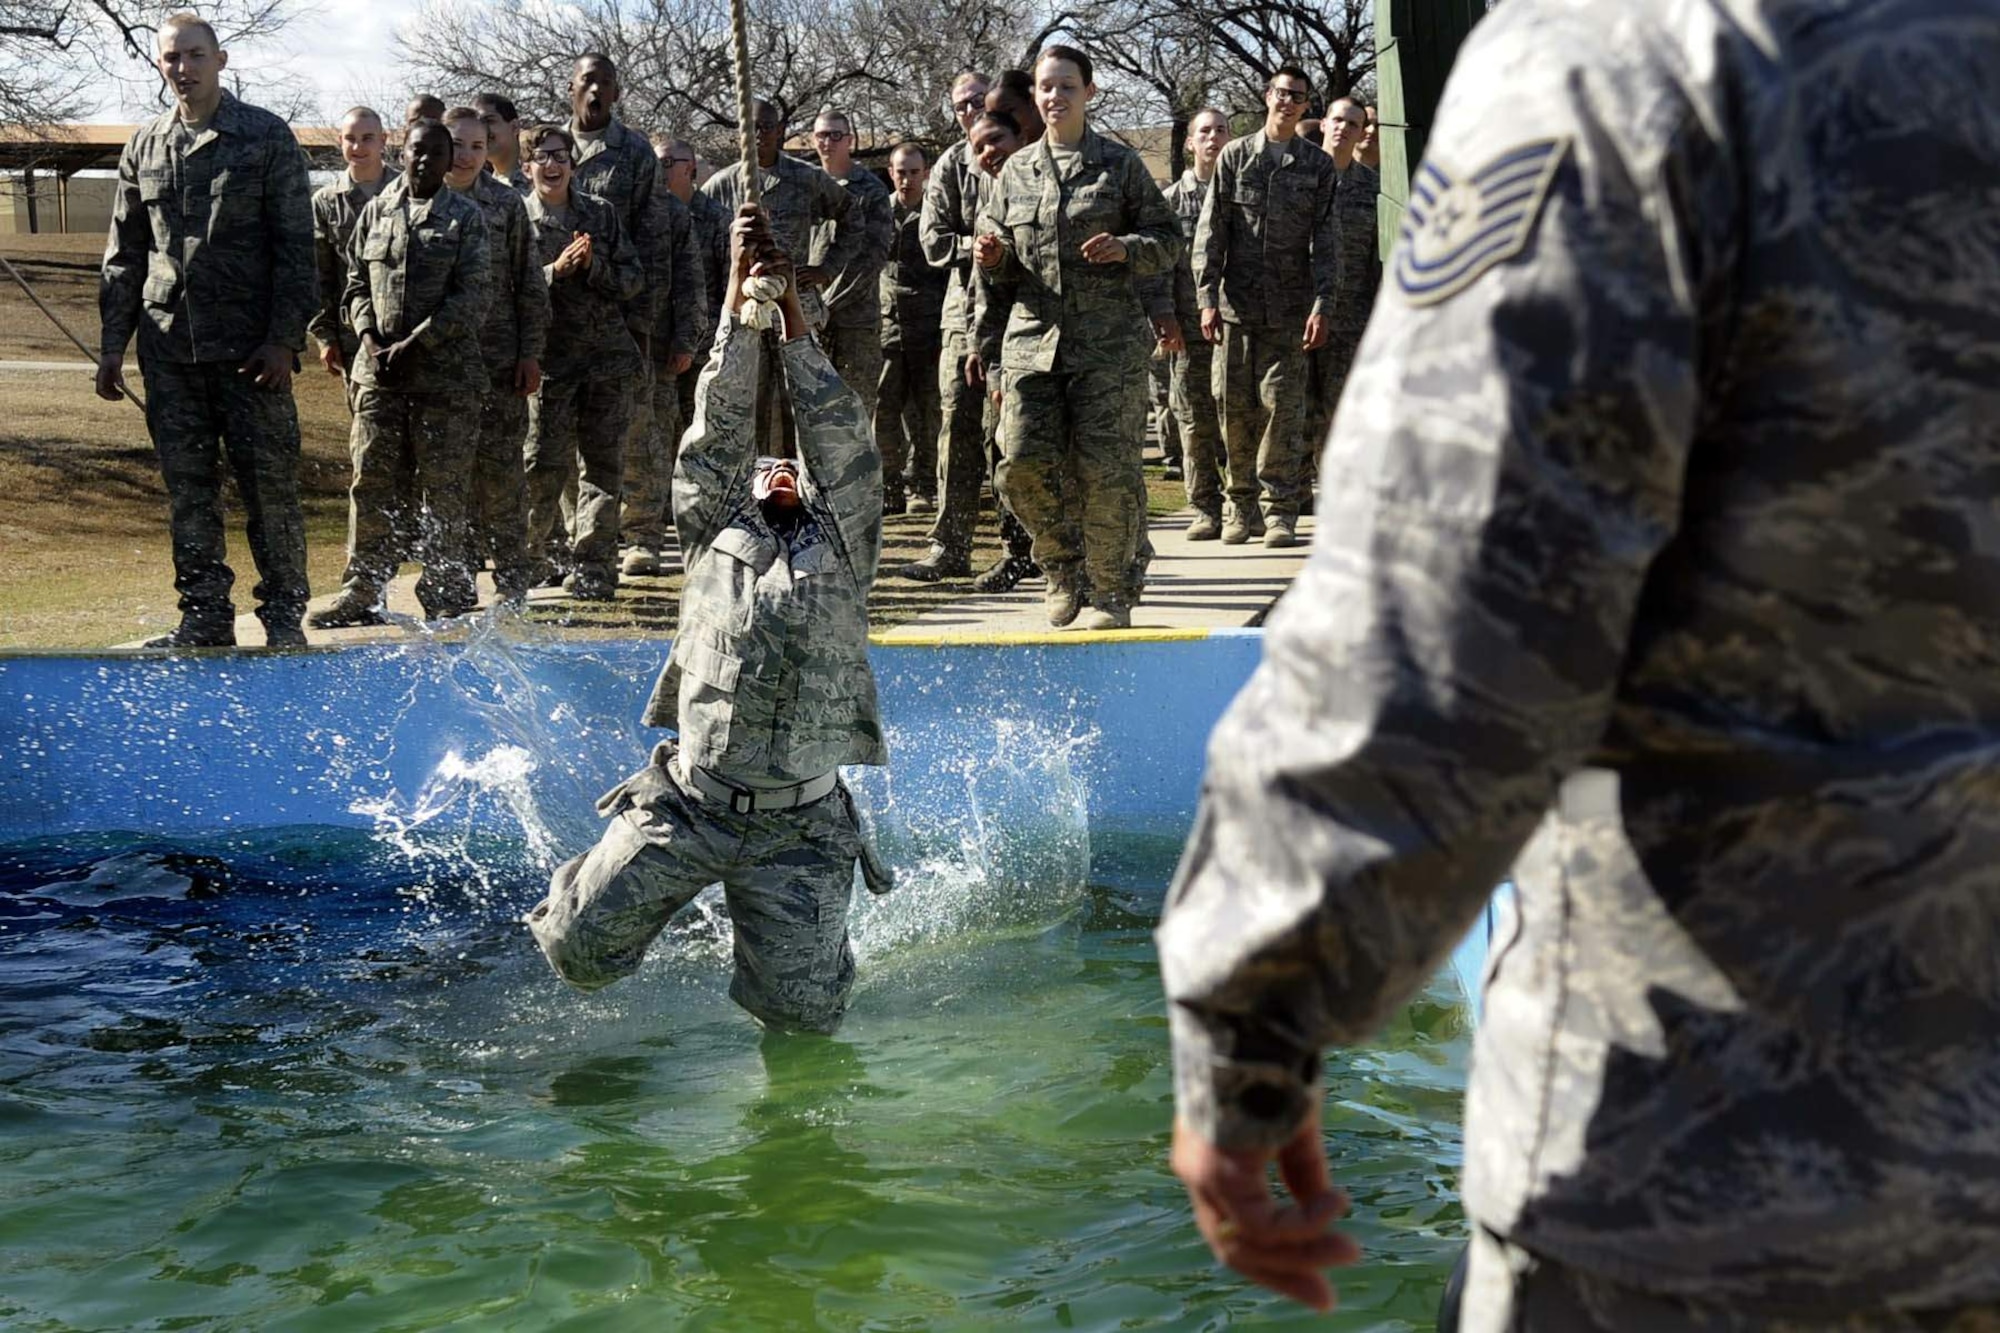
[651, 447]
[1192, 395]
[787, 877]
[1258, 378]
[580, 421]
[432, 438]
[1070, 449]
[1326, 376]
[500, 486]
[1509, 1290]
[1160, 416]
[906, 422]
[856, 354]
[961, 465]
[200, 415]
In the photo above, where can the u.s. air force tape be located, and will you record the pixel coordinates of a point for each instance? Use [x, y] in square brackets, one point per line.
[1458, 226]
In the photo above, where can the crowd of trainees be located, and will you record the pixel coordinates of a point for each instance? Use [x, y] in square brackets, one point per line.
[520, 313]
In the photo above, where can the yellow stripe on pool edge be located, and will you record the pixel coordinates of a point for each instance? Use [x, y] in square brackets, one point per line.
[1032, 638]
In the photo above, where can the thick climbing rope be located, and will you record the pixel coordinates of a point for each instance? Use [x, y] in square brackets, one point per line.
[69, 333]
[763, 293]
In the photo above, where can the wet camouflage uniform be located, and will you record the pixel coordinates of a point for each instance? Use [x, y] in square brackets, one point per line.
[585, 404]
[1264, 256]
[853, 333]
[209, 257]
[1070, 339]
[1656, 563]
[336, 208]
[417, 268]
[906, 404]
[946, 227]
[1357, 275]
[515, 329]
[768, 685]
[1190, 391]
[797, 197]
[655, 437]
[710, 224]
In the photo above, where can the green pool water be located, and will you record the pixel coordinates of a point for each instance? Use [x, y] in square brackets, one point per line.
[291, 1090]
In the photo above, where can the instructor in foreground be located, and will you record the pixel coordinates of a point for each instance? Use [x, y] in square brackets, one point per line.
[1661, 566]
[768, 687]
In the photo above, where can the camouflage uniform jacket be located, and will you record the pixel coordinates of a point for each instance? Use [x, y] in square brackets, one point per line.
[336, 208]
[619, 167]
[950, 218]
[210, 256]
[853, 299]
[1645, 571]
[912, 291]
[417, 269]
[587, 336]
[1356, 274]
[1264, 252]
[677, 321]
[1044, 288]
[1175, 294]
[711, 237]
[516, 326]
[797, 198]
[768, 681]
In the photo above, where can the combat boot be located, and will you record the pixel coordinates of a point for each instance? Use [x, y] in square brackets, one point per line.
[1235, 531]
[354, 606]
[938, 564]
[196, 634]
[641, 560]
[591, 585]
[1107, 617]
[1063, 600]
[1205, 528]
[1279, 532]
[284, 636]
[1004, 574]
[922, 504]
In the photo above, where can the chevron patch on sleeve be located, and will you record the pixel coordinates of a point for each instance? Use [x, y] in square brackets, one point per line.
[1457, 227]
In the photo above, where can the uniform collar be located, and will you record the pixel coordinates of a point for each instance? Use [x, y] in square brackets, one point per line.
[1090, 151]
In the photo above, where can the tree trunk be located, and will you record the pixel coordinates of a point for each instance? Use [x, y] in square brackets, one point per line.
[1177, 150]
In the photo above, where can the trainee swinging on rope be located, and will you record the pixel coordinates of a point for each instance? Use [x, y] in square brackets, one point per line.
[768, 686]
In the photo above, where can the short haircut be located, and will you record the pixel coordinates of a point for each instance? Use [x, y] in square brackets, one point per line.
[1003, 119]
[1015, 83]
[424, 125]
[459, 113]
[549, 129]
[1289, 72]
[361, 113]
[909, 146]
[424, 106]
[594, 58]
[185, 19]
[831, 112]
[1069, 53]
[970, 75]
[498, 104]
[1208, 111]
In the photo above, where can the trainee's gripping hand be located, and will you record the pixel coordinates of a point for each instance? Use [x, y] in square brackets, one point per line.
[1283, 1246]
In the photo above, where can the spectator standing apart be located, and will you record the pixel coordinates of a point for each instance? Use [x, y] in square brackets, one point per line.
[853, 333]
[416, 294]
[1640, 573]
[1068, 228]
[912, 301]
[1356, 187]
[511, 341]
[710, 225]
[945, 227]
[335, 208]
[585, 404]
[503, 139]
[681, 295]
[210, 260]
[797, 198]
[1191, 391]
[1264, 272]
[768, 688]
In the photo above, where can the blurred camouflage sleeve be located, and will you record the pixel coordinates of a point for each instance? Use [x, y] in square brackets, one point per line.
[356, 297]
[943, 229]
[1211, 236]
[718, 452]
[331, 268]
[687, 279]
[995, 301]
[831, 203]
[531, 286]
[122, 278]
[288, 222]
[1505, 469]
[838, 452]
[466, 292]
[1154, 242]
[1325, 248]
[617, 267]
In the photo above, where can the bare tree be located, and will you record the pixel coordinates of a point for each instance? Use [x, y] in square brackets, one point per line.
[58, 58]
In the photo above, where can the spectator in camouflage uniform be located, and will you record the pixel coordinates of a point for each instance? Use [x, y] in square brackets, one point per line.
[912, 300]
[1069, 227]
[416, 295]
[853, 333]
[768, 688]
[335, 207]
[585, 404]
[511, 341]
[1192, 391]
[681, 289]
[1356, 275]
[710, 224]
[503, 140]
[1264, 272]
[1644, 582]
[210, 260]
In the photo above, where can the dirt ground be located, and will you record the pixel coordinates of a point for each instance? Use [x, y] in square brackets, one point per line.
[84, 529]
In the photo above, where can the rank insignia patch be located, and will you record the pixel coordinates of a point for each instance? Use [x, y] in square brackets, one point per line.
[1457, 227]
